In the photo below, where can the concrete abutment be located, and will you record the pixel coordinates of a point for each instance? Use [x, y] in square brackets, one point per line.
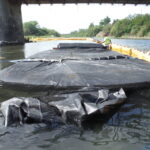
[11, 28]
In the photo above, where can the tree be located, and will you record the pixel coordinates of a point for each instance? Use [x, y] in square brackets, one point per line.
[121, 27]
[33, 28]
[107, 28]
[105, 21]
[135, 25]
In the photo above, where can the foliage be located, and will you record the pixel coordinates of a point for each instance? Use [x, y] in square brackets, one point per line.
[33, 28]
[105, 21]
[134, 25]
[120, 28]
[93, 30]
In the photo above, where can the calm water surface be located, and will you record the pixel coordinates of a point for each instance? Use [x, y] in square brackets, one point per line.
[127, 129]
[143, 45]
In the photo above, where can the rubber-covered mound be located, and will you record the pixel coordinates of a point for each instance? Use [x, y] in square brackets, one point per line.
[121, 72]
[82, 54]
[77, 67]
[78, 45]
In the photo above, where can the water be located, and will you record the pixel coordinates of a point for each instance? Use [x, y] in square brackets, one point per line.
[127, 129]
[143, 45]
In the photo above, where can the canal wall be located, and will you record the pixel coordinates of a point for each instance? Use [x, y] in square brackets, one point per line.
[11, 30]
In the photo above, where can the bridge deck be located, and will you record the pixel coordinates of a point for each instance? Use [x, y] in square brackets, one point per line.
[147, 2]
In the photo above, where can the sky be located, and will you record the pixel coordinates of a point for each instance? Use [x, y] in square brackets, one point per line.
[70, 17]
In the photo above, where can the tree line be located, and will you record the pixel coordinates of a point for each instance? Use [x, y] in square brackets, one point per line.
[32, 28]
[132, 26]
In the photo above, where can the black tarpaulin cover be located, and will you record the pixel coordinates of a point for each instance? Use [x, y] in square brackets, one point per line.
[78, 67]
[78, 45]
[77, 53]
[75, 108]
[78, 73]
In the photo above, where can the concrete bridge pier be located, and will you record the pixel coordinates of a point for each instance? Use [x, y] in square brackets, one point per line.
[11, 30]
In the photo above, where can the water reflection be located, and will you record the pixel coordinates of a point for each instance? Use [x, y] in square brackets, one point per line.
[9, 53]
[12, 52]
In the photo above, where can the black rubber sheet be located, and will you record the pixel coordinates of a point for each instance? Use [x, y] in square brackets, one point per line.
[79, 45]
[78, 73]
[78, 67]
[75, 108]
[82, 54]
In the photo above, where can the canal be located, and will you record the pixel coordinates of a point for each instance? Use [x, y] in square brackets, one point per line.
[129, 128]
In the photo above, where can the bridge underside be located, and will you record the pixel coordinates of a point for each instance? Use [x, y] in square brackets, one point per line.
[147, 2]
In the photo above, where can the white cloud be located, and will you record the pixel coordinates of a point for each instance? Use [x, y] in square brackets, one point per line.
[70, 17]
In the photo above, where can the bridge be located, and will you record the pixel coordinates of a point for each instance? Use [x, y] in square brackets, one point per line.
[147, 2]
[11, 29]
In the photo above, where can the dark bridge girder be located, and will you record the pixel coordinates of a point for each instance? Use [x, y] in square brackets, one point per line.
[147, 2]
